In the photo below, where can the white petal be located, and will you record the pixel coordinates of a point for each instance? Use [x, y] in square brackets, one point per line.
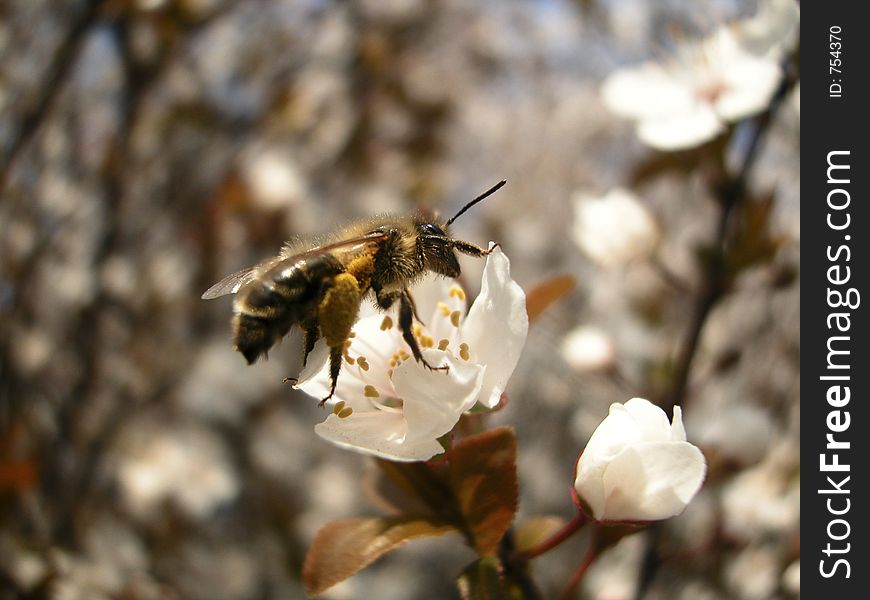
[377, 434]
[750, 84]
[678, 431]
[433, 401]
[652, 481]
[496, 327]
[316, 363]
[648, 91]
[681, 131]
[650, 420]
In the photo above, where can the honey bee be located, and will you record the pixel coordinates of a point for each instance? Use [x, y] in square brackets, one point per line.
[319, 285]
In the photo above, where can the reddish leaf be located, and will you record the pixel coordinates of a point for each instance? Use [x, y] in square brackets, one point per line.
[344, 547]
[483, 477]
[481, 580]
[546, 293]
[423, 485]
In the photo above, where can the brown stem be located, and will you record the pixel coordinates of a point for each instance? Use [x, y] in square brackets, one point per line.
[591, 554]
[566, 531]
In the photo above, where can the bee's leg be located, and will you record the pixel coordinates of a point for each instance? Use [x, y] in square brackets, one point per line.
[335, 356]
[406, 320]
[312, 334]
[471, 249]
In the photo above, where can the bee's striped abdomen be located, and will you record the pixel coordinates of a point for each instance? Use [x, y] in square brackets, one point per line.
[285, 295]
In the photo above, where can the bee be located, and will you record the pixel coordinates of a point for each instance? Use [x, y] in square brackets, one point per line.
[319, 285]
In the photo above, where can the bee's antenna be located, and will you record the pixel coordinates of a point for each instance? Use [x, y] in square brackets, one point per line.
[483, 196]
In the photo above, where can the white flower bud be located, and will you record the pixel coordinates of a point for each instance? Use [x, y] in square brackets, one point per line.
[637, 466]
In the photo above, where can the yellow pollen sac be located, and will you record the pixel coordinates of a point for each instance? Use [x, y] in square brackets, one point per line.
[344, 412]
[417, 329]
[348, 358]
[427, 341]
[457, 292]
[442, 345]
[363, 363]
[404, 355]
[387, 323]
[454, 318]
[371, 392]
[445, 310]
[463, 351]
[338, 406]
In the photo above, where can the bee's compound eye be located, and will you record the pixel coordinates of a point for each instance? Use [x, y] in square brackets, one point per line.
[432, 229]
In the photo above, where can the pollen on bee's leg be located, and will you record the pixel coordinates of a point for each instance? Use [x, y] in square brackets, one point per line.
[464, 351]
[457, 292]
[455, 317]
[370, 392]
[442, 344]
[387, 323]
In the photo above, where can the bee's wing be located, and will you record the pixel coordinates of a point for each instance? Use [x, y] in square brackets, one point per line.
[348, 243]
[230, 284]
[233, 283]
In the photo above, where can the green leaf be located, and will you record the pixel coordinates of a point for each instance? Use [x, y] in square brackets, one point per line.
[481, 580]
[344, 547]
[483, 477]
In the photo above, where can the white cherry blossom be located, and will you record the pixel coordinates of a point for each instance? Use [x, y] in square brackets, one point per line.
[637, 466]
[690, 99]
[615, 229]
[386, 404]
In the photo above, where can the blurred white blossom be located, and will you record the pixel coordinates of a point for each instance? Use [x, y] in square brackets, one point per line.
[588, 348]
[386, 404]
[637, 466]
[690, 99]
[615, 229]
[187, 466]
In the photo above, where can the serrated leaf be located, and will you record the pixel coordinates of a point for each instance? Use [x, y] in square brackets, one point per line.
[343, 547]
[483, 477]
[546, 293]
[481, 580]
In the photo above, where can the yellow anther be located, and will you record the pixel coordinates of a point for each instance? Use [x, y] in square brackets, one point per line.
[442, 345]
[387, 323]
[348, 359]
[463, 351]
[454, 318]
[404, 355]
[427, 341]
[457, 292]
[445, 310]
[371, 392]
[338, 406]
[417, 329]
[363, 363]
[344, 412]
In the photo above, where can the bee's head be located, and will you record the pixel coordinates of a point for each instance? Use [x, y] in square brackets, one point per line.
[436, 247]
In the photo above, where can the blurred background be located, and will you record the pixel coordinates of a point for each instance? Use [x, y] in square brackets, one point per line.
[150, 147]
